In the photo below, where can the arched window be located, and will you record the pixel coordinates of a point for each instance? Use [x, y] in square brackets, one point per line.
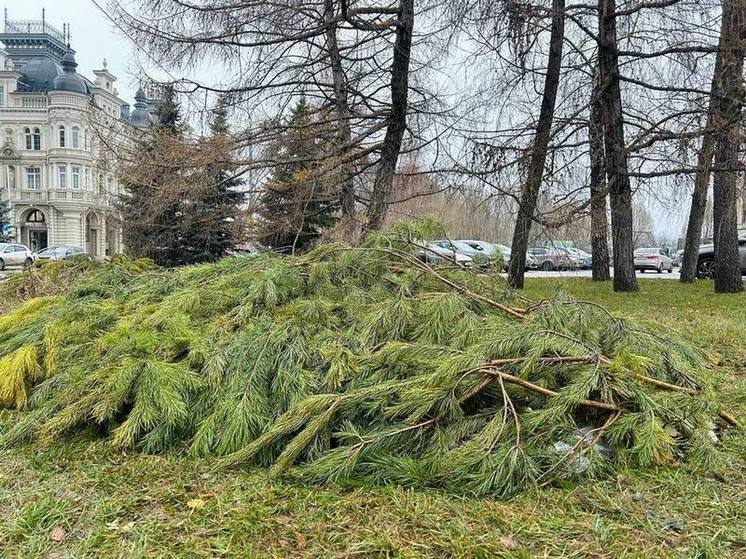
[76, 137]
[85, 140]
[35, 216]
[27, 132]
[62, 136]
[36, 137]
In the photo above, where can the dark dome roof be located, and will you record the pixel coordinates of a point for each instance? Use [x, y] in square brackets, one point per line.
[140, 117]
[69, 80]
[38, 74]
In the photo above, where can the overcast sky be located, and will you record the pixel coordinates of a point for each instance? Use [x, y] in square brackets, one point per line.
[93, 36]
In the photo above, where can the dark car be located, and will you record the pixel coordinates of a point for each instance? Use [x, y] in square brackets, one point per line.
[706, 259]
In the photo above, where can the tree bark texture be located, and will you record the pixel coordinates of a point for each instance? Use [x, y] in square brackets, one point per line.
[620, 190]
[532, 184]
[702, 178]
[599, 220]
[397, 121]
[341, 103]
[727, 137]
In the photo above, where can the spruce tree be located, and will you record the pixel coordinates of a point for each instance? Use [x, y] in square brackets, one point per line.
[5, 225]
[298, 201]
[206, 218]
[149, 215]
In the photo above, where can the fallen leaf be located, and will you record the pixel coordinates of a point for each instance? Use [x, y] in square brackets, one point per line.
[301, 541]
[58, 534]
[508, 542]
[195, 503]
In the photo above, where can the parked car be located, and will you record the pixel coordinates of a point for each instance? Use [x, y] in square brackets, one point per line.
[585, 260]
[549, 259]
[706, 259]
[653, 258]
[504, 251]
[481, 255]
[434, 254]
[12, 254]
[60, 253]
[678, 257]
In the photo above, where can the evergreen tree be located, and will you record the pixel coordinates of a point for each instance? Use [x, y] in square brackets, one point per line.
[149, 213]
[298, 201]
[5, 225]
[206, 218]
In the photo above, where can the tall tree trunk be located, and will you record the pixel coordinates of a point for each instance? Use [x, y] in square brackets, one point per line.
[727, 134]
[599, 220]
[702, 177]
[344, 133]
[620, 191]
[530, 190]
[397, 122]
[699, 204]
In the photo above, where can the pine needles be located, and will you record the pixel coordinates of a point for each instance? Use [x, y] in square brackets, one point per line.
[356, 362]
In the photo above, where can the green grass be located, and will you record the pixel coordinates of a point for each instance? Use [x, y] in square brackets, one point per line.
[115, 505]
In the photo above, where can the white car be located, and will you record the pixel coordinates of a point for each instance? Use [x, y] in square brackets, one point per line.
[654, 258]
[491, 248]
[12, 254]
[432, 253]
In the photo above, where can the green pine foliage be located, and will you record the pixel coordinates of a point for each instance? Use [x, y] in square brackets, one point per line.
[205, 221]
[356, 363]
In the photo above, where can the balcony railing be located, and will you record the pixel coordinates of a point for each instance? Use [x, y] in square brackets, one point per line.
[58, 195]
[33, 27]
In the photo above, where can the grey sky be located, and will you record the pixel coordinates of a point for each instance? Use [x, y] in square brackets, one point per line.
[93, 36]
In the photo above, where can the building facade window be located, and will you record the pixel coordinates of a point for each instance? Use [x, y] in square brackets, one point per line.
[75, 177]
[87, 181]
[76, 137]
[33, 178]
[62, 136]
[27, 134]
[36, 139]
[2, 95]
[62, 176]
[35, 216]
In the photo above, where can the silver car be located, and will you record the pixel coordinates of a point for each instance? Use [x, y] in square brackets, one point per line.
[12, 254]
[491, 248]
[549, 259]
[654, 258]
[432, 253]
[60, 253]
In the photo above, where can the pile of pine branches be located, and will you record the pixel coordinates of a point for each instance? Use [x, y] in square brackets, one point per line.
[355, 362]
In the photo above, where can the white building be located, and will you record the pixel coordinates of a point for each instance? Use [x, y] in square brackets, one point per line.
[60, 187]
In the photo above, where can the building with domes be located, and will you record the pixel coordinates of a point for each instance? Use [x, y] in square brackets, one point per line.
[54, 172]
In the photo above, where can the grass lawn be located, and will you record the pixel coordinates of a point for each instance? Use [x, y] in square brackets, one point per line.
[81, 500]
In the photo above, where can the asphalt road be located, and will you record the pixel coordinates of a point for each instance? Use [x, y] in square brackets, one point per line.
[587, 273]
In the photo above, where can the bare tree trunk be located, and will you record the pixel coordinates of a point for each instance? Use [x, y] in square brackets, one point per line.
[727, 134]
[530, 190]
[620, 191]
[397, 121]
[344, 133]
[702, 178]
[599, 221]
